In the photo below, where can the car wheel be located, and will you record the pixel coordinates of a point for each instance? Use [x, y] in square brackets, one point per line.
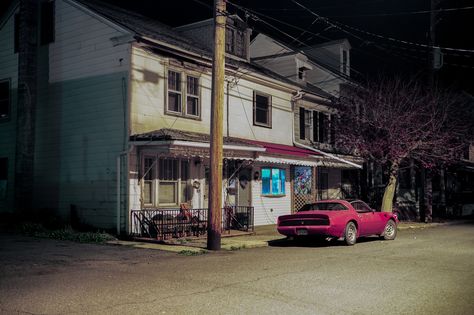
[350, 234]
[390, 231]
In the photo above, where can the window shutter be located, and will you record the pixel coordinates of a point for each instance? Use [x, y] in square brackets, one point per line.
[323, 131]
[332, 141]
[315, 126]
[302, 133]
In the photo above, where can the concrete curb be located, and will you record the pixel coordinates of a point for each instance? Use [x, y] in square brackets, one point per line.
[261, 238]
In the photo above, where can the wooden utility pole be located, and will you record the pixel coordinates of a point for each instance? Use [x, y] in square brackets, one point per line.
[217, 107]
[27, 95]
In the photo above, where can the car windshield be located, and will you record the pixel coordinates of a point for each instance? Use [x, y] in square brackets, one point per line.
[327, 206]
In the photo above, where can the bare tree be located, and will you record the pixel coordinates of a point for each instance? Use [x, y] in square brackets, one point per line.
[391, 120]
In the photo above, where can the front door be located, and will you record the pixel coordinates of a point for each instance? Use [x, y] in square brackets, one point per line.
[244, 193]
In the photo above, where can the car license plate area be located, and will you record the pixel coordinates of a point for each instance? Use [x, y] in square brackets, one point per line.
[301, 232]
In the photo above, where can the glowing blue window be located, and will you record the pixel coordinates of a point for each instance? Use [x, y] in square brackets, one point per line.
[273, 181]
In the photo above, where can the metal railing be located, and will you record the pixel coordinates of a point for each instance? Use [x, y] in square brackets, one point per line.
[162, 224]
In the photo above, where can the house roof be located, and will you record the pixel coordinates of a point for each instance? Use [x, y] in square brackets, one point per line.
[144, 26]
[167, 134]
[149, 28]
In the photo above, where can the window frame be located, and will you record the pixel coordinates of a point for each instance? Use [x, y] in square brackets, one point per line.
[321, 128]
[157, 179]
[184, 94]
[282, 191]
[8, 102]
[232, 42]
[269, 109]
[196, 96]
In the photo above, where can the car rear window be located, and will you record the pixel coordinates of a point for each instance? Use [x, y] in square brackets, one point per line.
[327, 206]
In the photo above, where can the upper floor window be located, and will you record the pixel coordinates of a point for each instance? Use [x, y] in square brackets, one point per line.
[4, 99]
[47, 22]
[236, 40]
[192, 96]
[177, 91]
[262, 109]
[316, 126]
[273, 181]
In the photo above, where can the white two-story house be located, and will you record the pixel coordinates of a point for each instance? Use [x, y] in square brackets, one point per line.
[123, 120]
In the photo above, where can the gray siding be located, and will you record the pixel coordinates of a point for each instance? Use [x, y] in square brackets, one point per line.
[80, 134]
[83, 45]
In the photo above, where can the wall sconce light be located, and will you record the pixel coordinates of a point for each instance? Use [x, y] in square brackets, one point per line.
[256, 175]
[197, 161]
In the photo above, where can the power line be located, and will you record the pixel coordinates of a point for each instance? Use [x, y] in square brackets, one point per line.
[256, 16]
[402, 13]
[341, 27]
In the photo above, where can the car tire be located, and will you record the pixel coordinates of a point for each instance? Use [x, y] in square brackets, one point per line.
[389, 231]
[350, 234]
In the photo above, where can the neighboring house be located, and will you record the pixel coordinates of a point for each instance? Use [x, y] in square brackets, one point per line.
[123, 119]
[322, 68]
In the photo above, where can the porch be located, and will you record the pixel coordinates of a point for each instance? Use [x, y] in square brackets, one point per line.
[162, 224]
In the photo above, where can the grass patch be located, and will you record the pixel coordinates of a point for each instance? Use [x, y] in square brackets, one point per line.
[65, 234]
[238, 247]
[187, 252]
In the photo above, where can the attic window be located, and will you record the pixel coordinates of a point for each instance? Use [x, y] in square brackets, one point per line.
[235, 42]
[302, 73]
[47, 23]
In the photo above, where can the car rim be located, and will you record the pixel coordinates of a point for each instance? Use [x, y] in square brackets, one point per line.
[351, 233]
[389, 230]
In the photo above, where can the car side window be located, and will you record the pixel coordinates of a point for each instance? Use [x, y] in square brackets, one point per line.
[361, 207]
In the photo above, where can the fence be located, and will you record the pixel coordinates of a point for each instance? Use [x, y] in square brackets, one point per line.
[163, 224]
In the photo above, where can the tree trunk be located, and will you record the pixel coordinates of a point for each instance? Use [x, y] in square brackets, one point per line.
[428, 197]
[389, 193]
[442, 192]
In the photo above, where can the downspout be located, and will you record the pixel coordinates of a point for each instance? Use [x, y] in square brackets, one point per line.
[299, 95]
[227, 101]
[119, 158]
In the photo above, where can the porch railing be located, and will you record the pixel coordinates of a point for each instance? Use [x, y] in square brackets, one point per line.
[162, 224]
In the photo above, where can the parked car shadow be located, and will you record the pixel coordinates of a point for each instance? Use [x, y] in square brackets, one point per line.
[316, 242]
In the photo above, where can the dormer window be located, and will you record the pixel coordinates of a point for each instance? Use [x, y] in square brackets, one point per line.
[301, 73]
[236, 38]
[302, 66]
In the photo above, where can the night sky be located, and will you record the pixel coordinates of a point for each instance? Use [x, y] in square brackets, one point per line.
[366, 23]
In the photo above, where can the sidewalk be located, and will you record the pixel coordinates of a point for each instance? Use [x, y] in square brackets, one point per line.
[261, 238]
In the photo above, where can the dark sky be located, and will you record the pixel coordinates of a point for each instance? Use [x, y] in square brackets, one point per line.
[401, 20]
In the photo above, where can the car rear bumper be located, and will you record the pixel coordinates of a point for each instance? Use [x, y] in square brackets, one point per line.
[308, 231]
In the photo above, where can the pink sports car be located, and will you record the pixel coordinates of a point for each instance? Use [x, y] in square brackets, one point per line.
[346, 219]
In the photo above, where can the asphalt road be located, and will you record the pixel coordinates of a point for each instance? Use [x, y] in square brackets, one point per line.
[428, 271]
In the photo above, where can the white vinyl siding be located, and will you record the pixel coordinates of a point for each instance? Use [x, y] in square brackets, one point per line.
[83, 45]
[268, 208]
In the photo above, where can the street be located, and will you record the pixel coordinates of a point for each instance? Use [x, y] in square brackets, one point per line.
[424, 271]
